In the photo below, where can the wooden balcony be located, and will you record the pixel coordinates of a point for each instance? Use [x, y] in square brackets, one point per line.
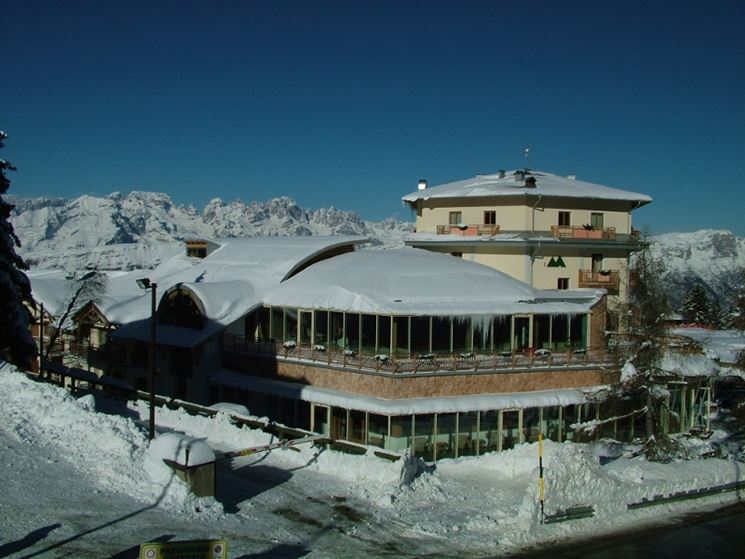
[609, 280]
[562, 232]
[468, 230]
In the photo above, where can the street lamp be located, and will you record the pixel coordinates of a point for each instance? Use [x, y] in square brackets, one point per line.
[145, 283]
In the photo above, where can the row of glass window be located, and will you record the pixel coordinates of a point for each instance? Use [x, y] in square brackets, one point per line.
[417, 334]
[434, 436]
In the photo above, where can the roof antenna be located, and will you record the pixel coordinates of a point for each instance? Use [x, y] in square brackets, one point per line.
[527, 153]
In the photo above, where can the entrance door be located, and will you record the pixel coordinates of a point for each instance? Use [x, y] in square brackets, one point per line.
[597, 263]
[596, 220]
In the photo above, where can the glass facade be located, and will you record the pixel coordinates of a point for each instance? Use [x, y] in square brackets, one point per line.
[436, 436]
[417, 336]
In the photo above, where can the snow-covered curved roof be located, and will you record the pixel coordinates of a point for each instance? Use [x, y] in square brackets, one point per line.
[508, 184]
[229, 282]
[411, 281]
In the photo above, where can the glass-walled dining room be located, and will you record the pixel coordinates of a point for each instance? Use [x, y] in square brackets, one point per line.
[417, 335]
[435, 436]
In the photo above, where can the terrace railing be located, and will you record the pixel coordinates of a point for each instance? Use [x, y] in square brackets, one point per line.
[583, 232]
[468, 230]
[416, 363]
[610, 280]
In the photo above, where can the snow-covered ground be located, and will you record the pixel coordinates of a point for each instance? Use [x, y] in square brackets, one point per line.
[724, 344]
[77, 483]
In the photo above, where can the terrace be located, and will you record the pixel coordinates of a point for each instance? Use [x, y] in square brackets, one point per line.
[427, 362]
[609, 280]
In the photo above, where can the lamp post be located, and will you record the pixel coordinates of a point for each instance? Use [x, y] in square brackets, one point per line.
[145, 283]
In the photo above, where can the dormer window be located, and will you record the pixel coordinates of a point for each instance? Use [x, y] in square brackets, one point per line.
[196, 249]
[180, 308]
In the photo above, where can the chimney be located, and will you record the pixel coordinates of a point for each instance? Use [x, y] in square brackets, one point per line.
[519, 175]
[501, 173]
[422, 184]
[572, 177]
[530, 182]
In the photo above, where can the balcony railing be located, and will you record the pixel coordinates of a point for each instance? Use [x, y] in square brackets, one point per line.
[584, 232]
[468, 230]
[466, 361]
[609, 280]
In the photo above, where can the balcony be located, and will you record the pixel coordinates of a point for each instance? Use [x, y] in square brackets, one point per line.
[468, 230]
[609, 280]
[584, 232]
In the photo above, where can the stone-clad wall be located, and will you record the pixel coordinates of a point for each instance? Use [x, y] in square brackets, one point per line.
[597, 323]
[431, 385]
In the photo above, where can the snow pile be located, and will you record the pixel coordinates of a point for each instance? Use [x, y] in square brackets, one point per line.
[183, 450]
[689, 364]
[108, 450]
[373, 477]
[628, 372]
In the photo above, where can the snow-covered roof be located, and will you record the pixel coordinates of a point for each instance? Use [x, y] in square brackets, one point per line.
[510, 184]
[50, 288]
[411, 281]
[404, 406]
[246, 273]
[229, 283]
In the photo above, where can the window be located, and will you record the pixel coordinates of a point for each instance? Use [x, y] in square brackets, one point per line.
[562, 283]
[179, 308]
[596, 220]
[490, 217]
[455, 218]
[565, 219]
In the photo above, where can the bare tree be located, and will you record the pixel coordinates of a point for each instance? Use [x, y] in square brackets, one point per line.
[88, 287]
[642, 346]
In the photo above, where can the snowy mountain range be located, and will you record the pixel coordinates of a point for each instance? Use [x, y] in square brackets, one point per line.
[139, 229]
[713, 258]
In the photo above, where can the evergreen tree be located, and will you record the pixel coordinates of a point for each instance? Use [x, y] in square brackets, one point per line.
[16, 343]
[737, 311]
[715, 317]
[697, 305]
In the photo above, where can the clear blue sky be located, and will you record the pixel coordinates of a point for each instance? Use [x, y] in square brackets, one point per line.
[349, 103]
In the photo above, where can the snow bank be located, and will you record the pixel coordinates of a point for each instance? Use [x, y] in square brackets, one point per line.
[108, 450]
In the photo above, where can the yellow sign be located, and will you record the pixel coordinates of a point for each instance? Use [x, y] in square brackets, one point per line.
[189, 549]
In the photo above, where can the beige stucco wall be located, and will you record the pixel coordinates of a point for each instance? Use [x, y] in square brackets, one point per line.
[550, 216]
[522, 217]
[515, 265]
[509, 218]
